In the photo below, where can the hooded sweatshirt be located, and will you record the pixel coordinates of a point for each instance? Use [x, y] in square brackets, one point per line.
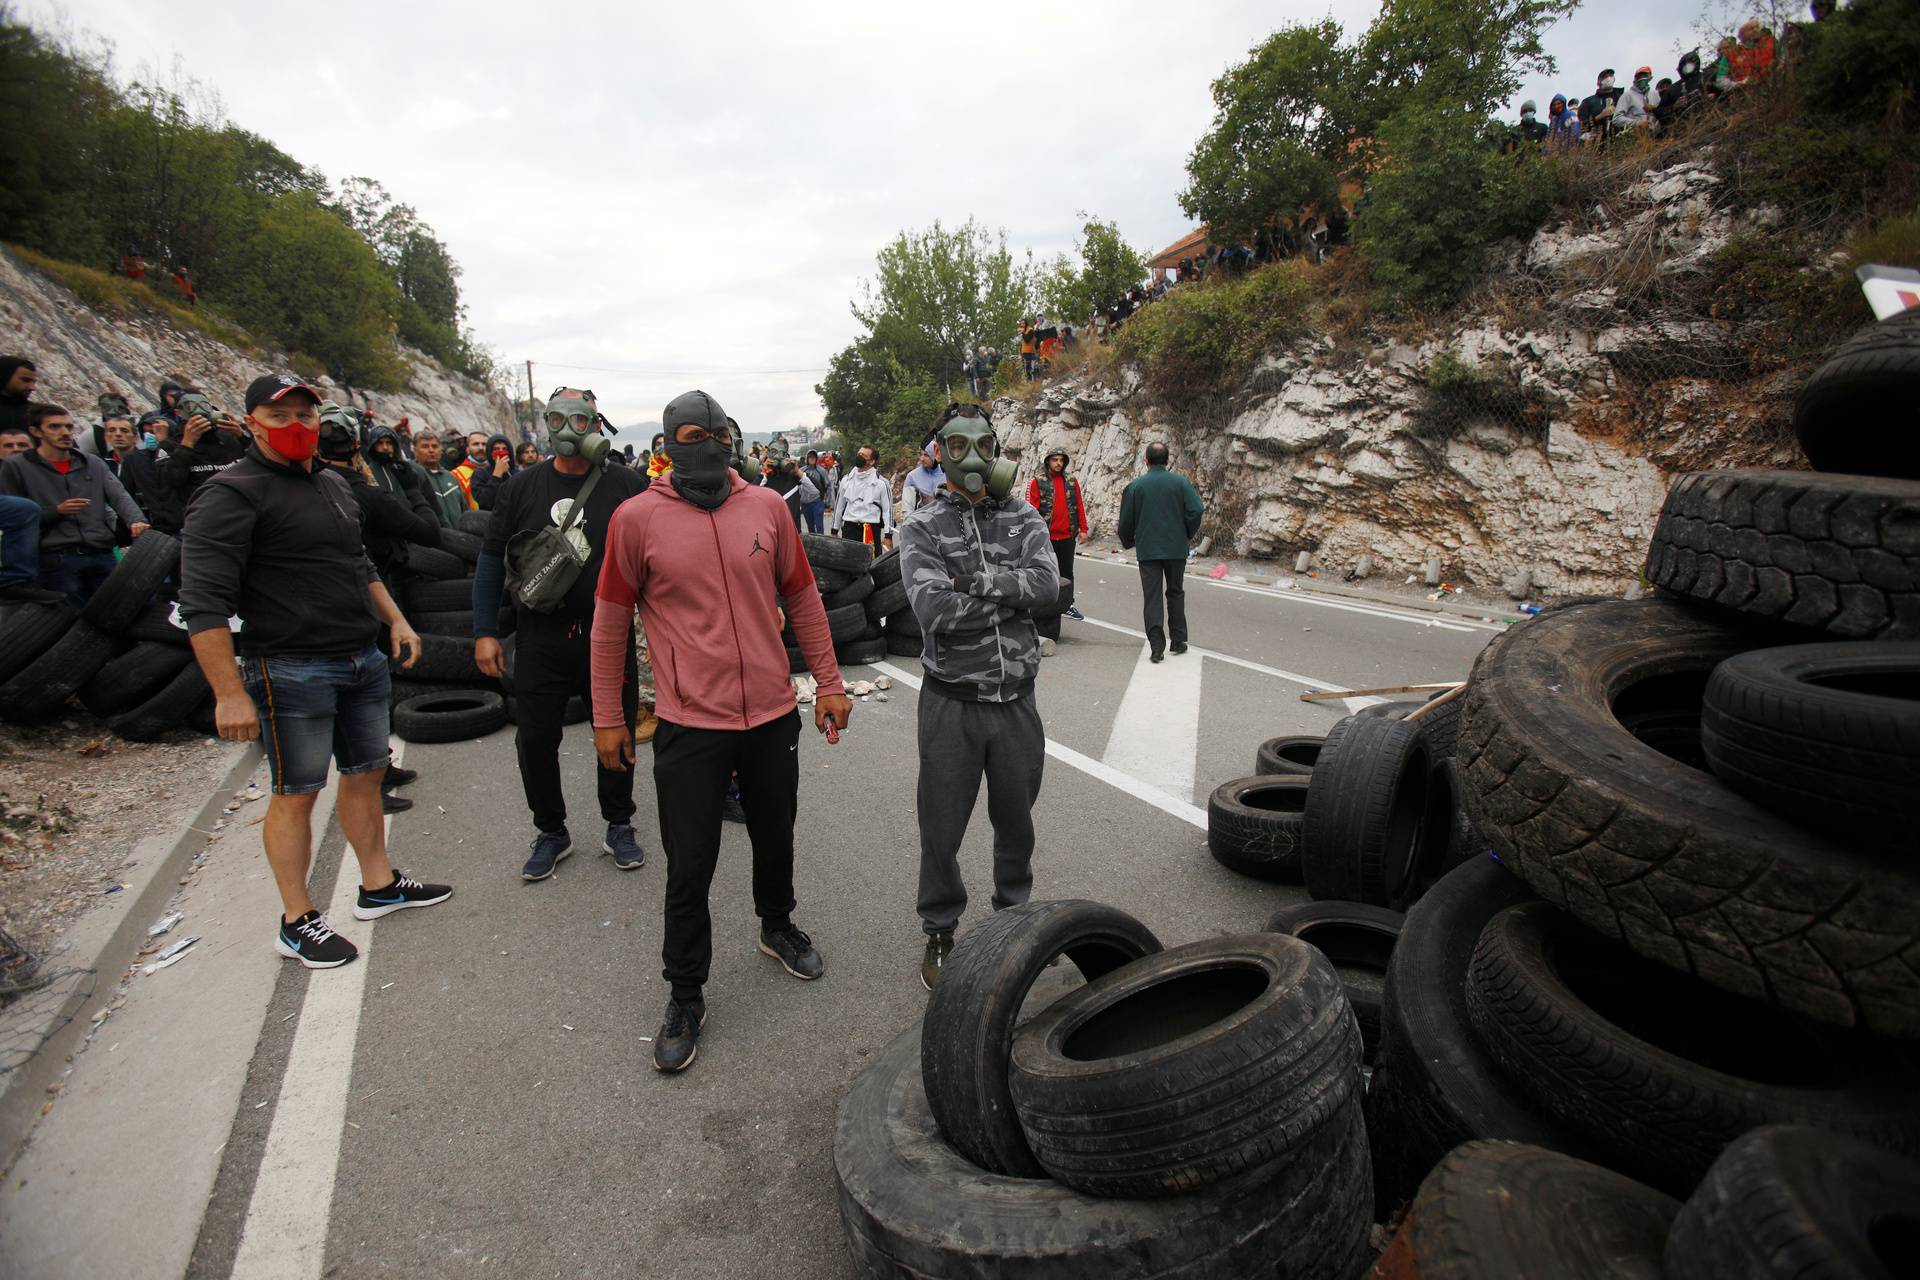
[974, 573]
[13, 408]
[166, 406]
[706, 582]
[482, 482]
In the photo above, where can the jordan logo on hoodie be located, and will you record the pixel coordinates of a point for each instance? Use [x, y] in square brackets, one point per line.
[757, 548]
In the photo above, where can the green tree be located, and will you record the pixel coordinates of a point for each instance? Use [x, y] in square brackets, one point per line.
[1282, 123]
[1108, 266]
[937, 293]
[1466, 54]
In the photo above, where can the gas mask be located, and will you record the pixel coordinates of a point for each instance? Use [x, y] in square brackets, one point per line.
[573, 425]
[191, 403]
[339, 438]
[970, 454]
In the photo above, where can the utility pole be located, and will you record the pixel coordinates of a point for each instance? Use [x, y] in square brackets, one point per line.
[532, 419]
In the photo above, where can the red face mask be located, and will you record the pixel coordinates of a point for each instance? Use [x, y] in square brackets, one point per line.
[295, 442]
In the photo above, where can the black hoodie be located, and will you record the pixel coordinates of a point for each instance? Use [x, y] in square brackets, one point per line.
[184, 468]
[166, 405]
[485, 487]
[13, 408]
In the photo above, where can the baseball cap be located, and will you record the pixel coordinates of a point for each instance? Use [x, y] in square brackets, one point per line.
[269, 387]
[696, 408]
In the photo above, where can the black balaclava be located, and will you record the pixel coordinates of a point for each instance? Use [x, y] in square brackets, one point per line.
[700, 472]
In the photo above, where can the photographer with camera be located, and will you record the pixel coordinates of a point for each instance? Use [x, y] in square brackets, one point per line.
[542, 553]
[210, 441]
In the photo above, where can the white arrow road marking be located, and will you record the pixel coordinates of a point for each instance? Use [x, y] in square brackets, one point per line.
[1156, 733]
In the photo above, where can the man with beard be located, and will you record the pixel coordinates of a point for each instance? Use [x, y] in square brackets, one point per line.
[705, 558]
[18, 378]
[864, 504]
[550, 662]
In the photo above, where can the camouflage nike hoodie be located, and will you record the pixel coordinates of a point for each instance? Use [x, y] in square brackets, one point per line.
[974, 572]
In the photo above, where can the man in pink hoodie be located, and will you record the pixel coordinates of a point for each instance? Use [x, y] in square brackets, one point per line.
[707, 558]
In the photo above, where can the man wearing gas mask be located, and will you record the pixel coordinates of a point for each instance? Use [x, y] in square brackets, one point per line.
[976, 562]
[705, 556]
[532, 517]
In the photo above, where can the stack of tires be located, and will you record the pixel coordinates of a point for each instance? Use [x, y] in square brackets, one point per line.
[1193, 1112]
[444, 696]
[123, 655]
[863, 596]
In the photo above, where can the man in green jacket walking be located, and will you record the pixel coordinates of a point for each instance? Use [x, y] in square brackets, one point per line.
[1159, 514]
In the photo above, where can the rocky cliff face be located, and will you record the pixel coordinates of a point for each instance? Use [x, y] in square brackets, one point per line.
[1343, 452]
[81, 353]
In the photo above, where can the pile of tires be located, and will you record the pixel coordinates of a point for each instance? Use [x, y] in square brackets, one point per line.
[1187, 1112]
[444, 696]
[860, 591]
[125, 657]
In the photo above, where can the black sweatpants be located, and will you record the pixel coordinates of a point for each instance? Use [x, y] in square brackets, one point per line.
[551, 665]
[690, 772]
[1063, 556]
[1170, 575]
[961, 743]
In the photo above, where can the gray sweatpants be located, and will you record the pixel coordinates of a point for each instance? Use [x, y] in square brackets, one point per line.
[960, 742]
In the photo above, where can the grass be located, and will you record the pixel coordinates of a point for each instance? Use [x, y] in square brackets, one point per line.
[104, 291]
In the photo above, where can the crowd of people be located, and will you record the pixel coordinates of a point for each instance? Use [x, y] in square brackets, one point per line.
[1658, 107]
[296, 519]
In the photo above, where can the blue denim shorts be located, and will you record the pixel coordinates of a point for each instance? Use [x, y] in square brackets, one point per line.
[311, 708]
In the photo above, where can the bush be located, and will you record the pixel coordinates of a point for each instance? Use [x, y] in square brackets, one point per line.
[1762, 281]
[1202, 339]
[1458, 392]
[1441, 198]
[1809, 170]
[1863, 63]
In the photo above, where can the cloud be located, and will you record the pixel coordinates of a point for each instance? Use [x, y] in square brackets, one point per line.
[670, 188]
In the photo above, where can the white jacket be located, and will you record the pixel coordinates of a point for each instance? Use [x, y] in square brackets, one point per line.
[865, 497]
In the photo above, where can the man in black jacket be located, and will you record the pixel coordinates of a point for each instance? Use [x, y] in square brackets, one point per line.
[491, 470]
[277, 542]
[206, 447]
[139, 472]
[388, 523]
[551, 650]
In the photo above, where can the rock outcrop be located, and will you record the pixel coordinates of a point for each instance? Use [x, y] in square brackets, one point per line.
[1343, 453]
[80, 353]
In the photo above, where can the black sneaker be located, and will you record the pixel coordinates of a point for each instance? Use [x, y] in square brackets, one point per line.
[545, 853]
[312, 941]
[624, 845]
[404, 892]
[390, 803]
[1178, 646]
[939, 947]
[795, 952]
[397, 777]
[730, 808]
[678, 1039]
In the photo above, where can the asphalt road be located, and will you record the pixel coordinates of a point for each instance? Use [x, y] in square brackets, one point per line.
[501, 1116]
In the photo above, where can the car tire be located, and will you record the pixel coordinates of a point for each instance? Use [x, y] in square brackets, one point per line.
[1188, 1067]
[886, 568]
[1288, 755]
[475, 522]
[435, 595]
[1560, 754]
[133, 677]
[43, 686]
[828, 581]
[1358, 939]
[1838, 554]
[1504, 1209]
[912, 1206]
[966, 1037]
[143, 569]
[1825, 734]
[1253, 825]
[853, 593]
[1434, 1084]
[1659, 1072]
[843, 554]
[1365, 836]
[28, 631]
[860, 653]
[901, 645]
[155, 623]
[454, 715]
[467, 546]
[904, 622]
[1856, 413]
[846, 623]
[1787, 1202]
[446, 660]
[451, 623]
[432, 562]
[887, 600]
[171, 706]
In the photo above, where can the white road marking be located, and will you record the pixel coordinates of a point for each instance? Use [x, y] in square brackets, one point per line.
[1411, 616]
[1294, 677]
[1156, 732]
[285, 1235]
[1106, 773]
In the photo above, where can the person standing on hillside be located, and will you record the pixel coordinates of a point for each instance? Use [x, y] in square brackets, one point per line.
[704, 557]
[552, 635]
[1056, 495]
[1159, 514]
[276, 541]
[864, 505]
[976, 564]
[81, 502]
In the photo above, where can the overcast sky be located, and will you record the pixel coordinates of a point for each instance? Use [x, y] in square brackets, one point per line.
[650, 197]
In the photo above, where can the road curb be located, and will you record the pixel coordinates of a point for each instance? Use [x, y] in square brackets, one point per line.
[106, 941]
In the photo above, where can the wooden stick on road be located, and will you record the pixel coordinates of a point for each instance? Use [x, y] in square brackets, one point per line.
[1327, 695]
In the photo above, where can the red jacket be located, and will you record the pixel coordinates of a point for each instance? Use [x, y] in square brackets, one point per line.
[1060, 519]
[705, 583]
